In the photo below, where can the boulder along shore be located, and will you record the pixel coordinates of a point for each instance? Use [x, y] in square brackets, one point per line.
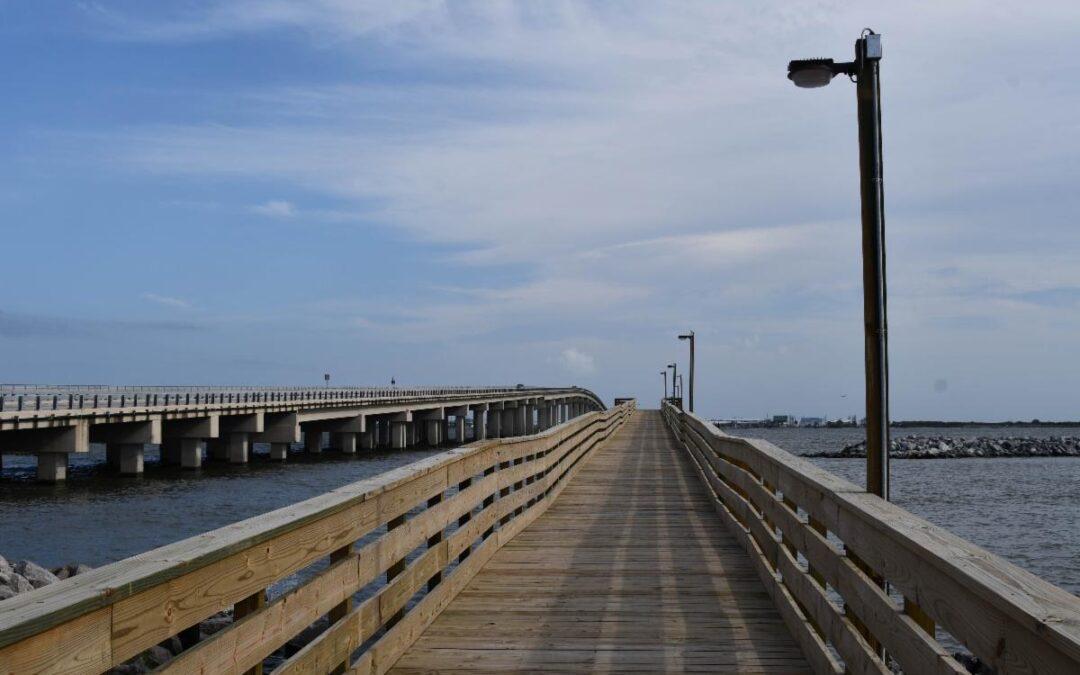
[940, 447]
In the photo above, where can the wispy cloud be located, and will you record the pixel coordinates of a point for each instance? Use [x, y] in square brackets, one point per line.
[167, 301]
[275, 208]
[576, 362]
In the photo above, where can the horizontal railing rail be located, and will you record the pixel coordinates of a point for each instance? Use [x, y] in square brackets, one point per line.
[31, 398]
[862, 583]
[410, 539]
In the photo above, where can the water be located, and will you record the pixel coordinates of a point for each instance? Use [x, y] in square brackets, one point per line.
[98, 517]
[1026, 510]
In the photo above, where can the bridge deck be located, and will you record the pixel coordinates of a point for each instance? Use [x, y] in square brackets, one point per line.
[629, 570]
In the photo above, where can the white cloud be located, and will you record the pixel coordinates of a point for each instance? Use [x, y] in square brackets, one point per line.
[167, 301]
[642, 168]
[275, 208]
[576, 362]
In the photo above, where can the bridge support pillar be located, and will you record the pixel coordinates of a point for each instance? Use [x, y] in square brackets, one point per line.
[459, 429]
[479, 424]
[313, 441]
[346, 442]
[217, 449]
[521, 420]
[170, 451]
[367, 439]
[508, 427]
[399, 435]
[239, 448]
[494, 423]
[131, 456]
[434, 432]
[190, 453]
[112, 455]
[279, 451]
[52, 466]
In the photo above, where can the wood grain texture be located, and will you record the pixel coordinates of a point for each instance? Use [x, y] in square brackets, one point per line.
[627, 570]
[1009, 618]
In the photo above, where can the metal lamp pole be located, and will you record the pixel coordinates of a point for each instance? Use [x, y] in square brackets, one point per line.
[664, 373]
[865, 71]
[674, 375]
[690, 336]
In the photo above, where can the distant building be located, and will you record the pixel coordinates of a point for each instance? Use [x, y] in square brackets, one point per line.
[784, 421]
[811, 421]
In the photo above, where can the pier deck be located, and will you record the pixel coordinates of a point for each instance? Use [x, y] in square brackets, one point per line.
[629, 570]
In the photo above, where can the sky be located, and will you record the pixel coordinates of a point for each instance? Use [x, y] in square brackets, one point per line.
[258, 192]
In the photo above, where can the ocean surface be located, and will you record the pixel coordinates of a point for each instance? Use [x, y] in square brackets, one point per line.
[1026, 510]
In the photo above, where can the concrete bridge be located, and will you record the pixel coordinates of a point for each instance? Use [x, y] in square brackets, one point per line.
[223, 423]
[617, 541]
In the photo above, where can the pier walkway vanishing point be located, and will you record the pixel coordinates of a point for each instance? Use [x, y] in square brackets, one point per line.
[629, 571]
[617, 541]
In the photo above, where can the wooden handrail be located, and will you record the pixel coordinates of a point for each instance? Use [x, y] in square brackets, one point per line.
[92, 622]
[783, 510]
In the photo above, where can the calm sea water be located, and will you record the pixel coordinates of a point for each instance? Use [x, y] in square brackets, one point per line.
[1025, 510]
[97, 517]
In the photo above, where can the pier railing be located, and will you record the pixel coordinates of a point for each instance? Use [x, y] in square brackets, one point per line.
[861, 582]
[410, 540]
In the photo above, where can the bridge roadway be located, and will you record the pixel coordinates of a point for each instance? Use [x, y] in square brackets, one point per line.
[224, 423]
[629, 570]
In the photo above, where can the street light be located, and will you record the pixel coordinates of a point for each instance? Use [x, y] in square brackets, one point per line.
[680, 395]
[664, 373]
[690, 336]
[674, 375]
[864, 70]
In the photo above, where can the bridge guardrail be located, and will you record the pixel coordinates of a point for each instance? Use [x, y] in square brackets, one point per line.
[814, 537]
[430, 525]
[19, 398]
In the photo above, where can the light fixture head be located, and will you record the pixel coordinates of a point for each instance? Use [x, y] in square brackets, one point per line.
[686, 337]
[811, 73]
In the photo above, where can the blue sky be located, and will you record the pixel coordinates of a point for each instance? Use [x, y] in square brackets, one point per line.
[260, 191]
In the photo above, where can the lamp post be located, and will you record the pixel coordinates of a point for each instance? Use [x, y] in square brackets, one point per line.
[680, 395]
[664, 373]
[674, 376]
[864, 70]
[690, 336]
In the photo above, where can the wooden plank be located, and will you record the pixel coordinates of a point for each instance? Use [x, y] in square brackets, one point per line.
[620, 566]
[252, 638]
[81, 645]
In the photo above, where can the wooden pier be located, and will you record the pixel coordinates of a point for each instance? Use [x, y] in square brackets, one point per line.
[617, 541]
[629, 571]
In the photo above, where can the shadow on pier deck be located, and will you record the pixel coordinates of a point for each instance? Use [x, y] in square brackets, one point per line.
[629, 570]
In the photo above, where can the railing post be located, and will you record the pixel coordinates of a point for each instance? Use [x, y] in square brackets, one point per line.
[488, 501]
[339, 611]
[250, 605]
[432, 542]
[395, 569]
[464, 519]
[503, 493]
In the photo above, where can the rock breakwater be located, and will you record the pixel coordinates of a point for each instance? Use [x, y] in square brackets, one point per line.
[941, 447]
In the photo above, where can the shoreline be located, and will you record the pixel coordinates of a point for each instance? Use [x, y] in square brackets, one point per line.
[941, 447]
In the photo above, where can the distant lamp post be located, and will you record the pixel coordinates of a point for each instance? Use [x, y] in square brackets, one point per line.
[326, 378]
[664, 373]
[680, 394]
[864, 70]
[674, 376]
[690, 336]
